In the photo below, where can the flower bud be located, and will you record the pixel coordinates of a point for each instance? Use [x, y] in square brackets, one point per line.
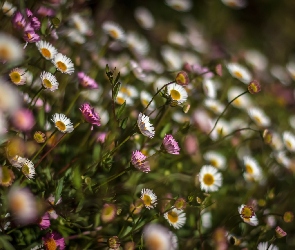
[182, 78]
[254, 87]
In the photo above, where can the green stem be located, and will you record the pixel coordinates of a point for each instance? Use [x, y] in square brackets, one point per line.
[35, 96]
[72, 103]
[226, 109]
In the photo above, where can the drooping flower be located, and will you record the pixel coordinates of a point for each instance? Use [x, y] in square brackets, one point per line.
[90, 115]
[248, 215]
[280, 233]
[62, 123]
[175, 217]
[138, 160]
[46, 50]
[209, 178]
[149, 198]
[86, 81]
[144, 125]
[54, 241]
[171, 145]
[63, 64]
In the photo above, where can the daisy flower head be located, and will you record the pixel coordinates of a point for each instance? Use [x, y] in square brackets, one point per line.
[114, 30]
[256, 59]
[182, 78]
[209, 87]
[27, 167]
[145, 98]
[170, 145]
[8, 9]
[46, 50]
[177, 93]
[108, 213]
[144, 125]
[44, 222]
[156, 236]
[252, 169]
[137, 43]
[144, 18]
[240, 72]
[10, 49]
[175, 217]
[149, 198]
[289, 141]
[265, 246]
[138, 160]
[235, 4]
[80, 24]
[214, 105]
[209, 178]
[86, 81]
[259, 117]
[54, 241]
[242, 102]
[215, 159]
[172, 58]
[49, 81]
[180, 5]
[63, 64]
[90, 115]
[248, 215]
[6, 176]
[18, 76]
[62, 123]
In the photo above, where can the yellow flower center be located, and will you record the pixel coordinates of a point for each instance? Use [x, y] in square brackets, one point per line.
[208, 179]
[4, 53]
[60, 125]
[177, 7]
[25, 169]
[6, 177]
[147, 200]
[237, 102]
[50, 244]
[288, 144]
[257, 119]
[46, 53]
[126, 91]
[249, 169]
[172, 217]
[154, 243]
[238, 74]
[175, 95]
[214, 163]
[144, 102]
[247, 212]
[114, 34]
[120, 100]
[18, 204]
[15, 77]
[181, 79]
[61, 66]
[47, 84]
[29, 35]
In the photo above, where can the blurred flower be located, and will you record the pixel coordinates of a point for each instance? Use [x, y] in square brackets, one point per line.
[62, 123]
[214, 105]
[175, 217]
[144, 125]
[179, 5]
[63, 64]
[44, 222]
[170, 145]
[30, 36]
[240, 72]
[18, 76]
[235, 4]
[22, 204]
[259, 117]
[39, 137]
[265, 246]
[51, 211]
[252, 169]
[136, 207]
[215, 159]
[49, 81]
[242, 102]
[86, 81]
[180, 204]
[144, 17]
[280, 233]
[172, 58]
[114, 243]
[256, 59]
[44, 11]
[138, 160]
[108, 213]
[145, 98]
[101, 137]
[177, 93]
[23, 119]
[209, 178]
[209, 88]
[3, 124]
[114, 30]
[80, 24]
[6, 176]
[8, 9]
[10, 49]
[46, 50]
[288, 216]
[18, 21]
[137, 43]
[248, 215]
[291, 69]
[54, 241]
[289, 140]
[149, 198]
[90, 115]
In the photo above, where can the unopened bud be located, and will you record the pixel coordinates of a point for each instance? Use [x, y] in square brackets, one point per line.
[267, 136]
[186, 108]
[182, 78]
[288, 217]
[180, 203]
[254, 87]
[280, 233]
[114, 242]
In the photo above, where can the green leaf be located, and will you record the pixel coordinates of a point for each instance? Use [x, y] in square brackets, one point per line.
[77, 178]
[165, 130]
[59, 189]
[55, 22]
[116, 90]
[4, 242]
[44, 25]
[123, 123]
[121, 109]
[117, 78]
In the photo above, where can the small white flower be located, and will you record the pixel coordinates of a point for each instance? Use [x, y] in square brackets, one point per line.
[180, 5]
[63, 64]
[80, 24]
[215, 159]
[144, 125]
[137, 43]
[256, 59]
[259, 117]
[46, 50]
[144, 17]
[252, 169]
[214, 105]
[177, 93]
[248, 215]
[243, 101]
[18, 76]
[209, 178]
[240, 72]
[209, 88]
[149, 198]
[264, 246]
[62, 123]
[172, 58]
[289, 141]
[145, 98]
[49, 81]
[113, 30]
[291, 69]
[281, 158]
[8, 9]
[10, 49]
[175, 217]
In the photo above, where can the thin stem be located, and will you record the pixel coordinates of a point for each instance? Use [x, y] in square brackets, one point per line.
[226, 109]
[35, 96]
[73, 102]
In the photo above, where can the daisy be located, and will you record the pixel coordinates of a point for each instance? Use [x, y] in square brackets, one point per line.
[209, 88]
[8, 9]
[177, 38]
[179, 5]
[214, 105]
[210, 178]
[240, 72]
[149, 198]
[10, 49]
[242, 102]
[264, 246]
[156, 236]
[137, 43]
[86, 81]
[259, 117]
[62, 123]
[90, 115]
[281, 158]
[172, 58]
[46, 50]
[145, 98]
[144, 17]
[177, 93]
[39, 137]
[175, 217]
[80, 24]
[144, 125]
[256, 59]
[26, 166]
[182, 78]
[63, 64]
[49, 81]
[54, 241]
[113, 30]
[108, 213]
[18, 76]
[170, 145]
[6, 176]
[235, 4]
[252, 169]
[215, 159]
[289, 141]
[248, 215]
[138, 160]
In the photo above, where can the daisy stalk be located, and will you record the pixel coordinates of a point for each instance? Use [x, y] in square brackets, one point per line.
[31, 105]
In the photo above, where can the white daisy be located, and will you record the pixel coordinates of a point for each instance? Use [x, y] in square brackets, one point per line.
[243, 101]
[179, 5]
[256, 59]
[145, 98]
[282, 159]
[209, 178]
[144, 125]
[27, 167]
[49, 81]
[259, 117]
[149, 198]
[215, 159]
[214, 105]
[172, 58]
[175, 217]
[177, 38]
[10, 49]
[240, 72]
[46, 50]
[10, 100]
[280, 73]
[177, 93]
[289, 141]
[248, 215]
[137, 43]
[113, 30]
[8, 9]
[276, 141]
[80, 23]
[264, 246]
[18, 76]
[291, 69]
[252, 169]
[63, 64]
[144, 17]
[62, 123]
[209, 88]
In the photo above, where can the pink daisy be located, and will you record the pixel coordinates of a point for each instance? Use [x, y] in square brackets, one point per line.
[171, 145]
[138, 160]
